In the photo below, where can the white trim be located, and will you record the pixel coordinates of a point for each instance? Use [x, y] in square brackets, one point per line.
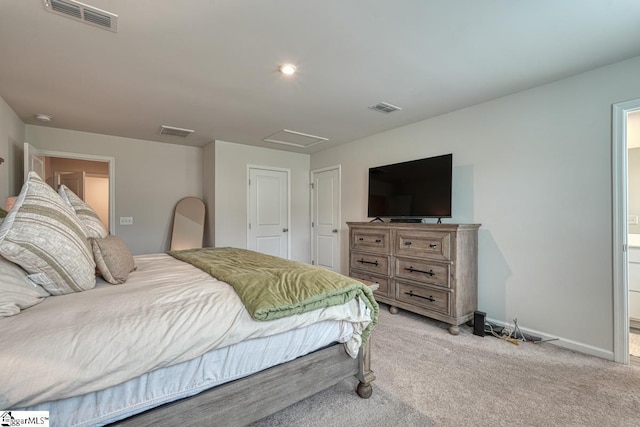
[112, 177]
[271, 168]
[620, 229]
[311, 197]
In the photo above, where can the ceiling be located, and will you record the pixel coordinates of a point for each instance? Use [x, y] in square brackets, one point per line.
[212, 66]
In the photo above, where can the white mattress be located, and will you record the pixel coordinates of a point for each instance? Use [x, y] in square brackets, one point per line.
[192, 377]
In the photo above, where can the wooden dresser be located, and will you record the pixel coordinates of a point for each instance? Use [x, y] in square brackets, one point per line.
[429, 269]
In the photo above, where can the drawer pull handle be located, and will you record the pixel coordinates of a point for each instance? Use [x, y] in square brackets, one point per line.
[413, 270]
[362, 261]
[411, 294]
[407, 243]
[433, 245]
[360, 239]
[378, 240]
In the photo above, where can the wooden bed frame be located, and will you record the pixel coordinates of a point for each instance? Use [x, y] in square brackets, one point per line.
[252, 398]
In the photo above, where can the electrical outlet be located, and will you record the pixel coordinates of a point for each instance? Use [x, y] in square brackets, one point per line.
[126, 220]
[633, 219]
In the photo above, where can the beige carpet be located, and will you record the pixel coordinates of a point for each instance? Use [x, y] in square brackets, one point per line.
[427, 377]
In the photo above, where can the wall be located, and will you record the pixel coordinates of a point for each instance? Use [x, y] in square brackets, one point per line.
[209, 192]
[534, 168]
[11, 140]
[150, 178]
[231, 162]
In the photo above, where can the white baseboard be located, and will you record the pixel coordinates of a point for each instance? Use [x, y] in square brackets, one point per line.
[562, 342]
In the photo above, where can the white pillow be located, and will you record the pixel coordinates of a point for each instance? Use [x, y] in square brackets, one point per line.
[43, 235]
[89, 219]
[16, 291]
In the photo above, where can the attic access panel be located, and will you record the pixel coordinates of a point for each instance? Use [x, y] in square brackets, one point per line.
[296, 139]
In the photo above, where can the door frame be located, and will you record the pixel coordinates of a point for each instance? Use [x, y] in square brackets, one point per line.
[339, 207]
[94, 157]
[620, 229]
[275, 169]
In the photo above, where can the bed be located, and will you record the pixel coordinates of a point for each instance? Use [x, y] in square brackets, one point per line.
[164, 338]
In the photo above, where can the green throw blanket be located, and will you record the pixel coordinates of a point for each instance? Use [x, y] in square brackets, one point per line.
[272, 288]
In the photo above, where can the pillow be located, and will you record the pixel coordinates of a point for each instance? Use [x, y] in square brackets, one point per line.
[89, 219]
[42, 235]
[16, 291]
[113, 259]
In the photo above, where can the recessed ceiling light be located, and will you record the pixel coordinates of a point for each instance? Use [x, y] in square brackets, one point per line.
[43, 118]
[287, 69]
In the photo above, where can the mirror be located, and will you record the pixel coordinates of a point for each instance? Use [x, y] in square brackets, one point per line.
[188, 224]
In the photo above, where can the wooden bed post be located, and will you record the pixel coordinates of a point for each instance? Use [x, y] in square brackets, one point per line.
[365, 374]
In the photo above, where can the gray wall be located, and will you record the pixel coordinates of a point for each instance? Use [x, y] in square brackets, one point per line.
[231, 163]
[534, 168]
[150, 178]
[11, 140]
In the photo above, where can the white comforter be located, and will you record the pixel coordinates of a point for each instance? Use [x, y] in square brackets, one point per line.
[167, 312]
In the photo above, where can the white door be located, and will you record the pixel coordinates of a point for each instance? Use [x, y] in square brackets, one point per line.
[325, 221]
[268, 228]
[33, 161]
[74, 181]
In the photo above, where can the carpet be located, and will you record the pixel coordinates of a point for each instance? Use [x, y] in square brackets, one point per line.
[427, 377]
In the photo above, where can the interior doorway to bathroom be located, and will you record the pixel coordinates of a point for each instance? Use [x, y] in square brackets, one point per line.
[623, 240]
[633, 215]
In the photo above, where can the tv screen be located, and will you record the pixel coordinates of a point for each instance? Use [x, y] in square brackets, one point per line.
[415, 189]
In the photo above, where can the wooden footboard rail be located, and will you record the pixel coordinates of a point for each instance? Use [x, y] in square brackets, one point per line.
[252, 398]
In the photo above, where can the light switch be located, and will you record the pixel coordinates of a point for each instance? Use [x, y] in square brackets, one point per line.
[126, 220]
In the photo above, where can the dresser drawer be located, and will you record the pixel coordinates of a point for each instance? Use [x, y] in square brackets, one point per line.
[370, 263]
[424, 244]
[423, 271]
[422, 296]
[368, 279]
[377, 241]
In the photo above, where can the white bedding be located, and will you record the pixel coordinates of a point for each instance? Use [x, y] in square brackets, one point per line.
[79, 343]
[188, 378]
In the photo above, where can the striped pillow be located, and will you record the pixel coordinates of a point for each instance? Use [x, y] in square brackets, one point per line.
[43, 236]
[89, 219]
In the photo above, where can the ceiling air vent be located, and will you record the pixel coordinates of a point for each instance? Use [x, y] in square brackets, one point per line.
[84, 13]
[172, 131]
[385, 107]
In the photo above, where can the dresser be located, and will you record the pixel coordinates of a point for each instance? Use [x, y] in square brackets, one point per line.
[429, 269]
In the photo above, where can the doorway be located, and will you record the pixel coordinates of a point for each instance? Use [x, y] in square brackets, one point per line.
[88, 179]
[99, 175]
[620, 157]
[325, 217]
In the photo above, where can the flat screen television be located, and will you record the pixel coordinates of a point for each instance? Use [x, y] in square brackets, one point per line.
[411, 190]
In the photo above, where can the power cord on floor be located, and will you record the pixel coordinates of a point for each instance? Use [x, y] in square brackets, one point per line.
[515, 335]
[503, 335]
